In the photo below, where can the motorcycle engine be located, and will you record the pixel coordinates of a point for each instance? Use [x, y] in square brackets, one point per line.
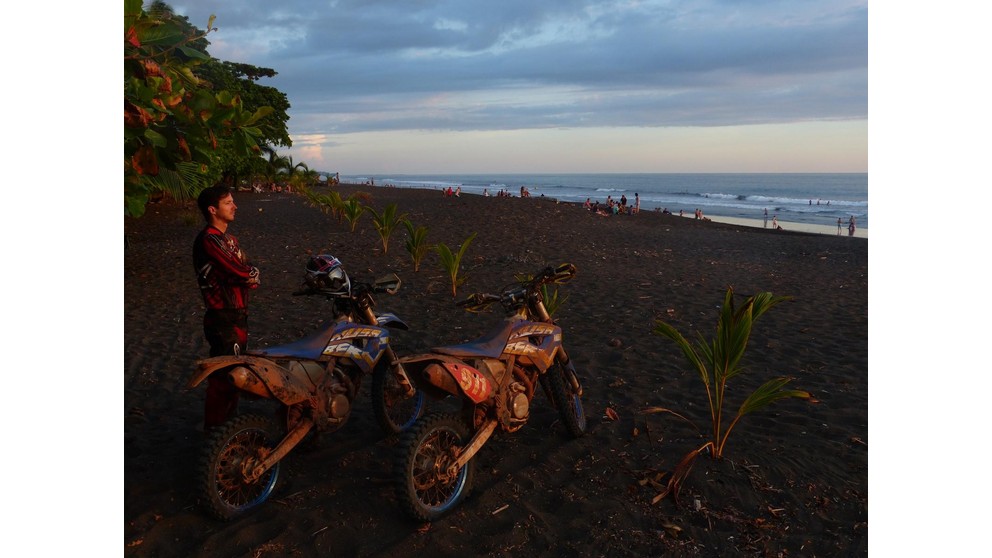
[334, 402]
[518, 404]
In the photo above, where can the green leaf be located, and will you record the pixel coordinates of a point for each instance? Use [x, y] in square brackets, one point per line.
[156, 139]
[770, 392]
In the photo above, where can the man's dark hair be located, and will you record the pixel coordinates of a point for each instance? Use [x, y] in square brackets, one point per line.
[210, 197]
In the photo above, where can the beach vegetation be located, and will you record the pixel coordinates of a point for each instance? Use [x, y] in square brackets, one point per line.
[352, 209]
[451, 262]
[328, 204]
[385, 223]
[416, 243]
[178, 126]
[717, 361]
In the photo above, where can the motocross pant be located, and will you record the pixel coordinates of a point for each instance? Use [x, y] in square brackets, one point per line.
[227, 332]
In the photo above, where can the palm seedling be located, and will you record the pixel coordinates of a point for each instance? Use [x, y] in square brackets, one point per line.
[385, 223]
[352, 210]
[451, 262]
[416, 243]
[717, 361]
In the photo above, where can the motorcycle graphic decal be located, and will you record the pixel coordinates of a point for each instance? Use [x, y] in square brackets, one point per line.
[472, 382]
[542, 352]
[374, 341]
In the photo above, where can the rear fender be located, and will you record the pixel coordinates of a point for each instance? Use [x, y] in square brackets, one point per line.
[450, 375]
[256, 375]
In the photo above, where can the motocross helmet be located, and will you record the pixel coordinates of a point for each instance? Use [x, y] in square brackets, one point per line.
[326, 275]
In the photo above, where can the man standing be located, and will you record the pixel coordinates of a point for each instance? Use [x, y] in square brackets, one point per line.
[224, 277]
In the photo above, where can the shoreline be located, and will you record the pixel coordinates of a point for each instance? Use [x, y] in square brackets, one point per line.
[793, 226]
[789, 226]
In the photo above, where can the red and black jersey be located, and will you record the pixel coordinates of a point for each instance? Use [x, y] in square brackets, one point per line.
[222, 270]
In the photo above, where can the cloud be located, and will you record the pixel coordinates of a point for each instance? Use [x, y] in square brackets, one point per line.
[352, 66]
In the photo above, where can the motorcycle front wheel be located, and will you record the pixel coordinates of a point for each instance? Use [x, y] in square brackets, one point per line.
[425, 489]
[231, 449]
[569, 404]
[393, 410]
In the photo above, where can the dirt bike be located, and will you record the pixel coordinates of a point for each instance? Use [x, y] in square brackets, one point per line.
[314, 380]
[495, 377]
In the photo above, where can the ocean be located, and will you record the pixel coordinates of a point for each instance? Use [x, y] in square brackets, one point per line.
[813, 198]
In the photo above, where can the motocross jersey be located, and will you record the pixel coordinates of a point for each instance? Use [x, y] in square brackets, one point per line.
[222, 270]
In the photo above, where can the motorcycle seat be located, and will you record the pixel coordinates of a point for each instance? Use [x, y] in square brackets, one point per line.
[489, 346]
[310, 347]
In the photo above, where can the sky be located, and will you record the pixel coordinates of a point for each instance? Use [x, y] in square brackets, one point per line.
[455, 86]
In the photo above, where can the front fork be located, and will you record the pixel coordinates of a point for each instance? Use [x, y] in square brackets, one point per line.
[569, 369]
[562, 356]
[400, 373]
[394, 362]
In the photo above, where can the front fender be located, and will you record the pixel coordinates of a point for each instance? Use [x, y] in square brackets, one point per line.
[387, 319]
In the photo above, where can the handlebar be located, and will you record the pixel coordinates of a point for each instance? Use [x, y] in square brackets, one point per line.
[516, 294]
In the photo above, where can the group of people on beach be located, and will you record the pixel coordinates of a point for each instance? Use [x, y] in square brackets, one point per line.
[504, 193]
[852, 225]
[614, 207]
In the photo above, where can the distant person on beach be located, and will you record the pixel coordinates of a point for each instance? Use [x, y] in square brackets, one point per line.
[775, 222]
[838, 226]
[485, 192]
[588, 204]
[637, 203]
[225, 277]
[851, 226]
[458, 192]
[681, 213]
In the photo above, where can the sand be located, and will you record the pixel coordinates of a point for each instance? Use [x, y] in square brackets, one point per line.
[794, 479]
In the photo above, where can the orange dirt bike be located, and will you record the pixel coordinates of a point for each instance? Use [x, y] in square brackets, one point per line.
[495, 377]
[314, 380]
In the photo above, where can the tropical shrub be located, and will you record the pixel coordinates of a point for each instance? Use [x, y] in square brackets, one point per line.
[451, 262]
[416, 243]
[716, 362]
[174, 120]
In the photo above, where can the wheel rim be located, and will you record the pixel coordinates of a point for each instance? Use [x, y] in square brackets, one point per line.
[239, 453]
[435, 489]
[402, 411]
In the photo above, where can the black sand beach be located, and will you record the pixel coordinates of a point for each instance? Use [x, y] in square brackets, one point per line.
[794, 480]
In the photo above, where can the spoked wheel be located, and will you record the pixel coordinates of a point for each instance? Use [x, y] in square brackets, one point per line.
[231, 451]
[394, 410]
[426, 488]
[568, 402]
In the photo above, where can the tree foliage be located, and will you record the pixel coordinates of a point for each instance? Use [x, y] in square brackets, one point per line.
[181, 131]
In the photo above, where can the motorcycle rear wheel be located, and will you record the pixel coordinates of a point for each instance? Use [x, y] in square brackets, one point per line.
[569, 404]
[424, 491]
[394, 412]
[223, 489]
